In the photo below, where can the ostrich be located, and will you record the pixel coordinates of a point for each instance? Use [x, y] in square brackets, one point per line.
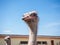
[7, 40]
[31, 20]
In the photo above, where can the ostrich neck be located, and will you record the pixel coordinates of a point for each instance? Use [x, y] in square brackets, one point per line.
[8, 42]
[32, 33]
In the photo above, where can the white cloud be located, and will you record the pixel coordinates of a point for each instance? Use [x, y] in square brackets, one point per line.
[8, 32]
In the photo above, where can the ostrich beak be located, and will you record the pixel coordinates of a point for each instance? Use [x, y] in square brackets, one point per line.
[22, 18]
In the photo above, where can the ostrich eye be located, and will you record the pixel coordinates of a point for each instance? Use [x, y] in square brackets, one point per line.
[33, 14]
[8, 38]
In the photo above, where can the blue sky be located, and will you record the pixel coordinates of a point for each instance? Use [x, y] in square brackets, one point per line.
[11, 12]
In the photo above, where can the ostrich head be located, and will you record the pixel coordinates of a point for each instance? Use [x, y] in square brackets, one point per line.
[7, 38]
[30, 17]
